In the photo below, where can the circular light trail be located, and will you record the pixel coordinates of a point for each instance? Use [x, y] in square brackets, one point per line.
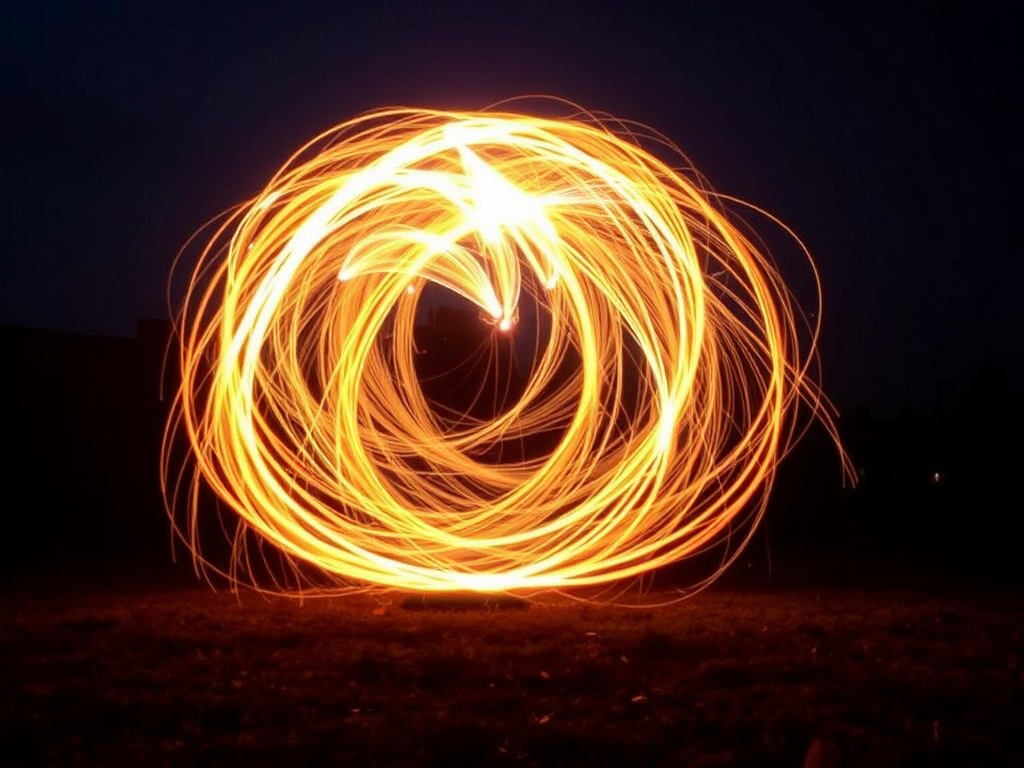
[666, 363]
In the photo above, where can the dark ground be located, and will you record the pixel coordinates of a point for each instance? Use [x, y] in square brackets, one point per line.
[797, 677]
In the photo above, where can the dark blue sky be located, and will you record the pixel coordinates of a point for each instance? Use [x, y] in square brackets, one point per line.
[889, 139]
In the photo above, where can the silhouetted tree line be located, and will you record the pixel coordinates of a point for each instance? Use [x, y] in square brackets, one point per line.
[83, 420]
[936, 491]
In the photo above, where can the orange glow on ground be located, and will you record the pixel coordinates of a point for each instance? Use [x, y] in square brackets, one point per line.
[308, 422]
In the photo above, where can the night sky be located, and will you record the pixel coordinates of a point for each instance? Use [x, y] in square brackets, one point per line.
[888, 139]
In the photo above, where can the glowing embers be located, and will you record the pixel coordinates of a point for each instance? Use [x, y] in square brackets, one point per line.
[615, 384]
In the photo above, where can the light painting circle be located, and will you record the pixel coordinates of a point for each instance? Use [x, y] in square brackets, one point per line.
[665, 365]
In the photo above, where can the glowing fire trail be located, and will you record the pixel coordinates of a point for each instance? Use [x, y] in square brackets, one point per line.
[309, 422]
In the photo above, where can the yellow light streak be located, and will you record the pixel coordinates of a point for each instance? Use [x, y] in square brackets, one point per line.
[303, 412]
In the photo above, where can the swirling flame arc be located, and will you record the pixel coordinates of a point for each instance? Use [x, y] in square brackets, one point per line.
[668, 358]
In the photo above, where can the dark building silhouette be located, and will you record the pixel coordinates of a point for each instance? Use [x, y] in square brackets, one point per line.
[82, 423]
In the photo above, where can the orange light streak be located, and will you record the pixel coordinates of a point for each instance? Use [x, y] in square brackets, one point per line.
[303, 412]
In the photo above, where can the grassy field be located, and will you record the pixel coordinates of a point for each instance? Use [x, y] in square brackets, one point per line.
[184, 677]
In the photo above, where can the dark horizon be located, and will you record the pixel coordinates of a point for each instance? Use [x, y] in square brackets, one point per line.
[933, 397]
[88, 419]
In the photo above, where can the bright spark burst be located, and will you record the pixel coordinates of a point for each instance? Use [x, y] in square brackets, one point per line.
[302, 408]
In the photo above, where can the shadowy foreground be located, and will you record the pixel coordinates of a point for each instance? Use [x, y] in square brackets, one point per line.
[799, 678]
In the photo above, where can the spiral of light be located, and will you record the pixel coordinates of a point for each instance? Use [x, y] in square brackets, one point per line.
[666, 362]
